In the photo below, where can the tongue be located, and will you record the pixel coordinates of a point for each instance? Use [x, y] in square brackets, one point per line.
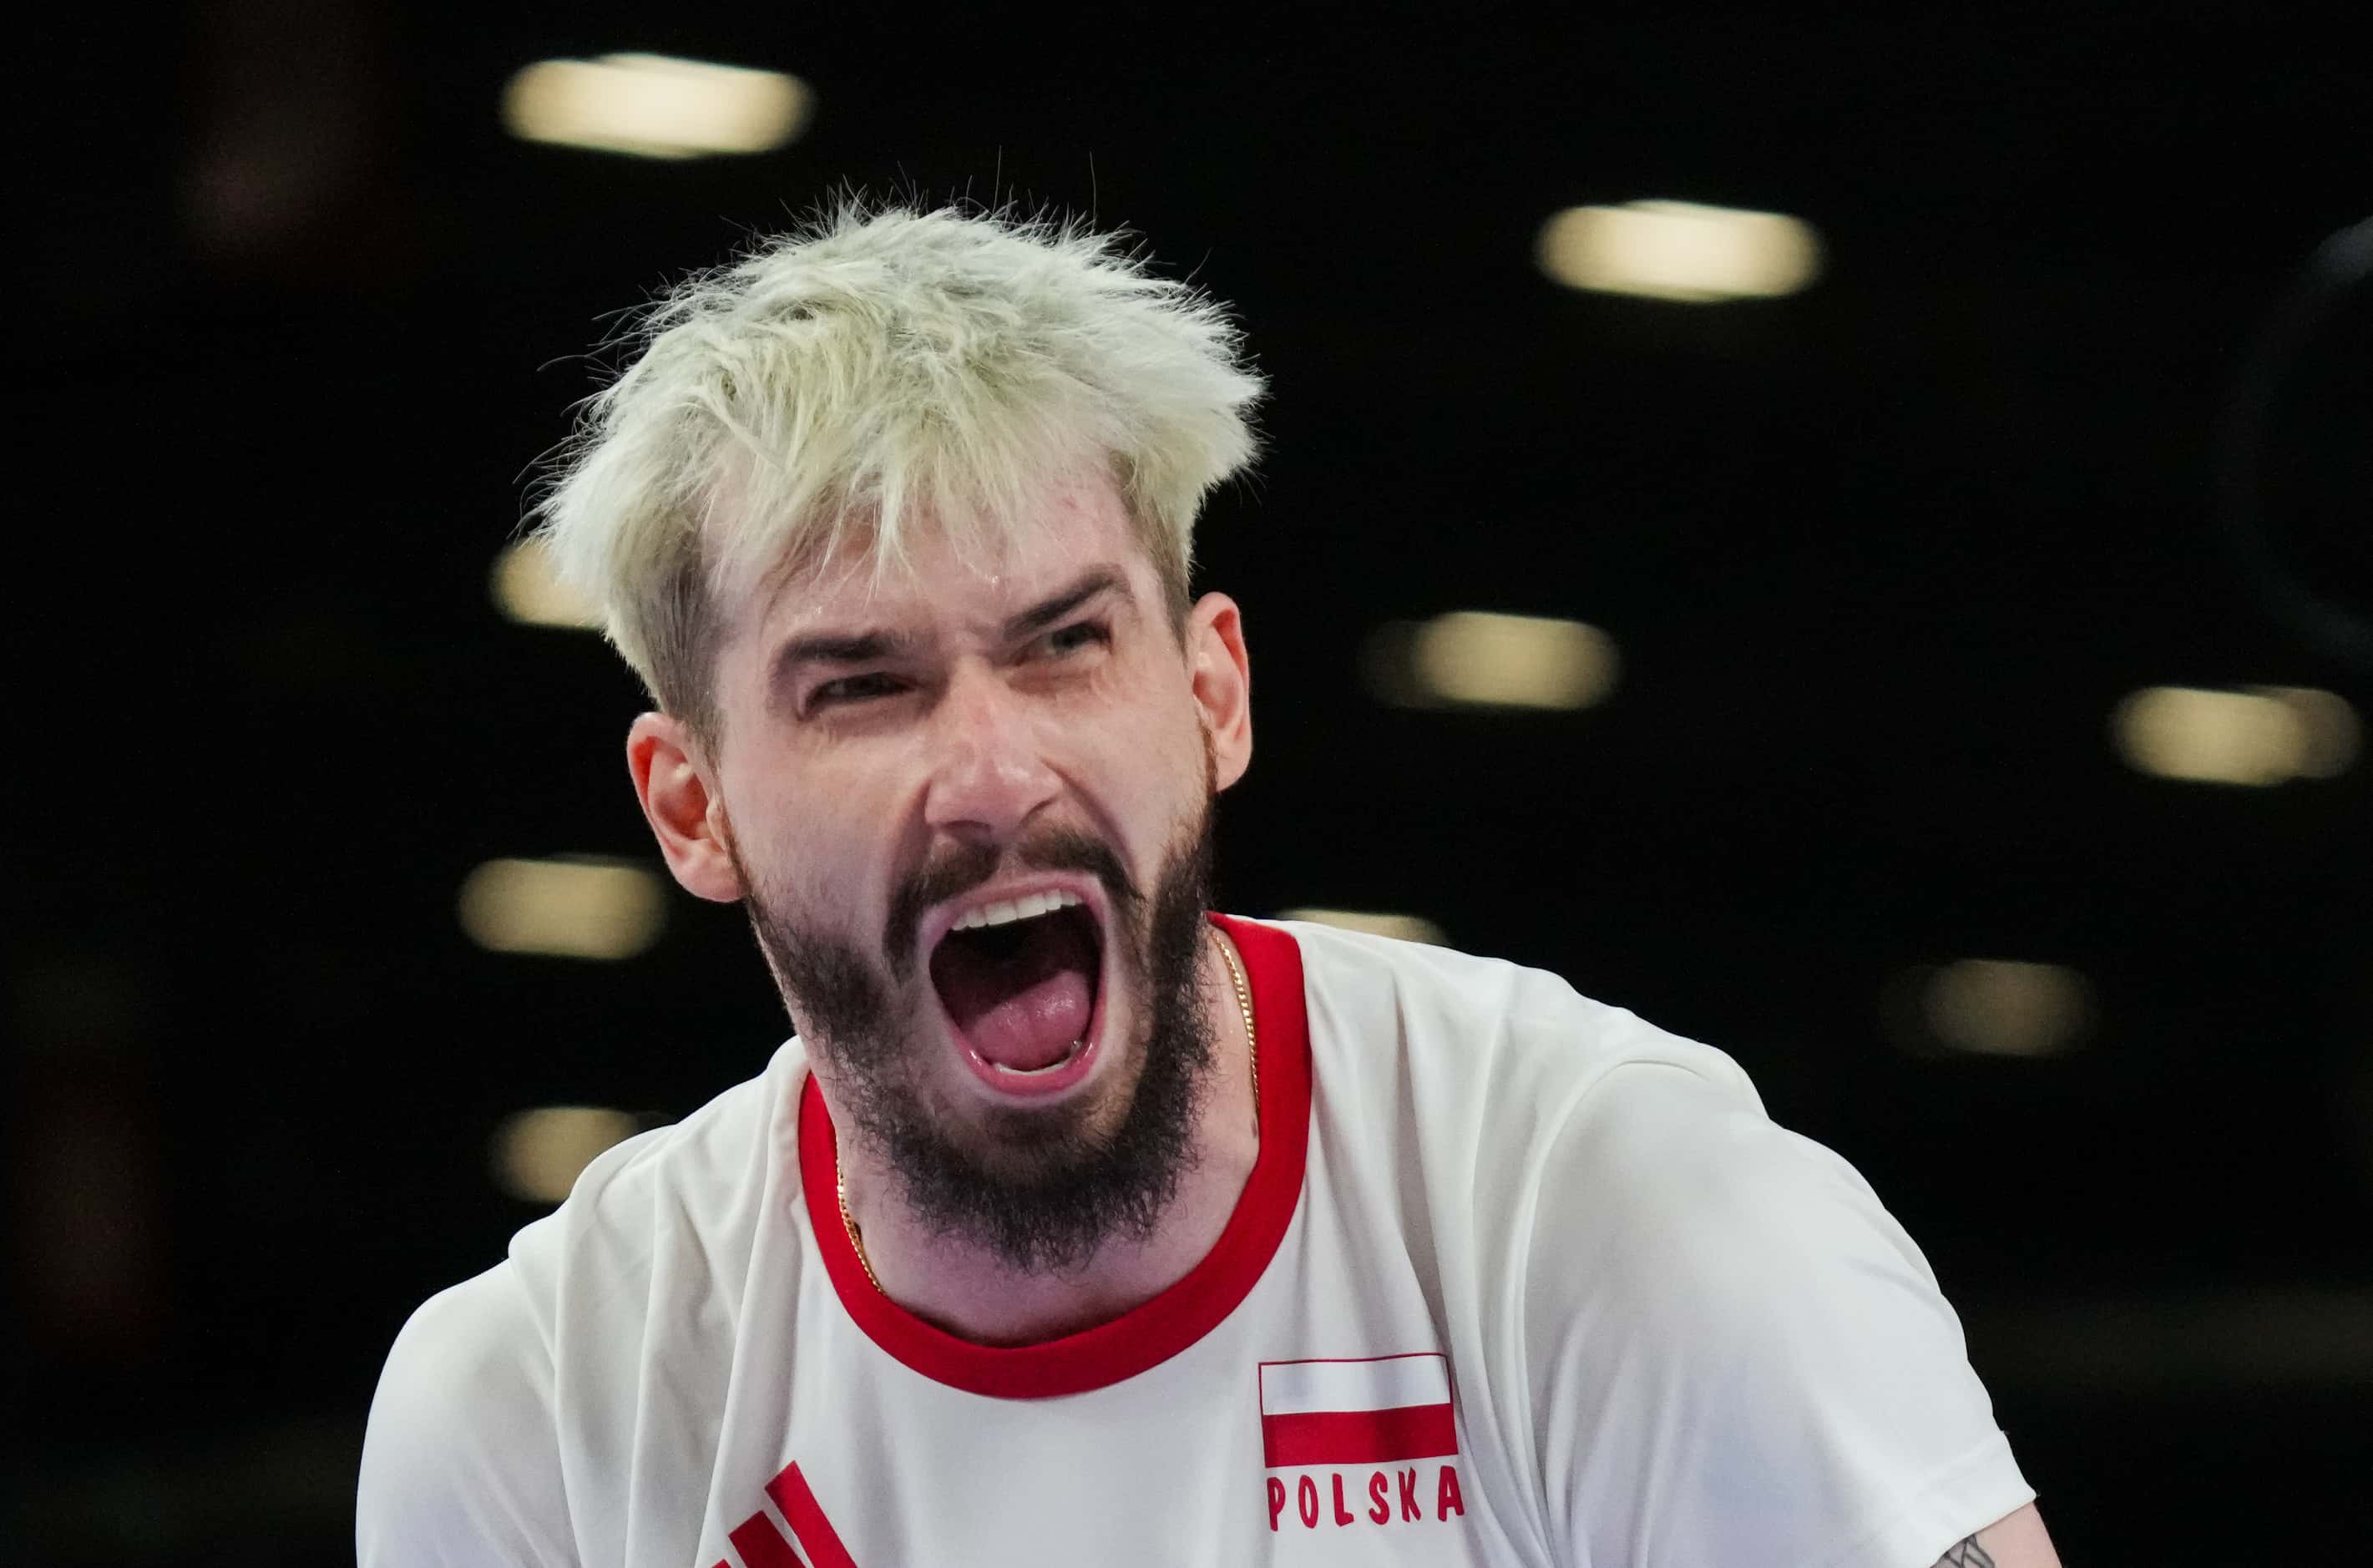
[1025, 1011]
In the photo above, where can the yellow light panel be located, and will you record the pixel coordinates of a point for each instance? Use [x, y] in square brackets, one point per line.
[655, 106]
[2002, 1007]
[566, 908]
[2256, 736]
[1479, 659]
[539, 1155]
[1680, 250]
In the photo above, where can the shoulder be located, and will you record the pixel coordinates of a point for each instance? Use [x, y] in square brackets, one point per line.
[638, 1274]
[1694, 1190]
[1486, 1089]
[1736, 1299]
[460, 1460]
[1582, 1131]
[706, 1179]
[1482, 1035]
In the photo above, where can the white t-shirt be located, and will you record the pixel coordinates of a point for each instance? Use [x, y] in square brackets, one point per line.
[1517, 1279]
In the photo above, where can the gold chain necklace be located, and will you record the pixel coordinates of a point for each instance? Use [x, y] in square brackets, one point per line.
[1251, 1049]
[1244, 1006]
[840, 1179]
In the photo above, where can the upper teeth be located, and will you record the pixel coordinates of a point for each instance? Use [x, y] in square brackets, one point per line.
[1027, 908]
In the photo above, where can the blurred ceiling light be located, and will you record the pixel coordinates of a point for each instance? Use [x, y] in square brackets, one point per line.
[2331, 727]
[1679, 251]
[2259, 735]
[2000, 1007]
[572, 908]
[1476, 659]
[653, 106]
[539, 1155]
[1407, 927]
[526, 589]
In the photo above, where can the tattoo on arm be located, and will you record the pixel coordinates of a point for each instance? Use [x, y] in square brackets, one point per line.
[1968, 1554]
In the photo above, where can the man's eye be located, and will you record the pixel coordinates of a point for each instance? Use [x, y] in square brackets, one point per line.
[1079, 635]
[854, 688]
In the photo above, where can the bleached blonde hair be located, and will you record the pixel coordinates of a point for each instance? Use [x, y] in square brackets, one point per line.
[879, 367]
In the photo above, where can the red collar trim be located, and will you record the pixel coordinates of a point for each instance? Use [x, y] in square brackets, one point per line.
[1145, 1336]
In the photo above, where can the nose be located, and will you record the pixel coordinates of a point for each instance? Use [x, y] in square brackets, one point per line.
[989, 773]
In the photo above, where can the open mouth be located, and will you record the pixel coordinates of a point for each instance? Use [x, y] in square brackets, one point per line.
[1019, 981]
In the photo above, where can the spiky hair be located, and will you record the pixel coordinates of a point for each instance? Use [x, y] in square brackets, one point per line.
[879, 369]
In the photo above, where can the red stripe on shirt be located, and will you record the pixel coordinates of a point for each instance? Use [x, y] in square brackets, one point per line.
[798, 1501]
[762, 1545]
[1359, 1437]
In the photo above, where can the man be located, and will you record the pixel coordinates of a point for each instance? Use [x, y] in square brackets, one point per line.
[1077, 1225]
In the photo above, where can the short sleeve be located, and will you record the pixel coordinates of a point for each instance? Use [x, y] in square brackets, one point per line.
[461, 1461]
[1735, 1352]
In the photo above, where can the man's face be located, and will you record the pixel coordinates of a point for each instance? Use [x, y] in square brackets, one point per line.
[970, 808]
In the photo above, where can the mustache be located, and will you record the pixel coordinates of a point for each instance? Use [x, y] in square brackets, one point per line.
[961, 869]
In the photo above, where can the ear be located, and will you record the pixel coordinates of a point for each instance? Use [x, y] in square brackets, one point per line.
[1221, 677]
[682, 804]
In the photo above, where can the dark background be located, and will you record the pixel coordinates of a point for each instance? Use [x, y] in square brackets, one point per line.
[295, 317]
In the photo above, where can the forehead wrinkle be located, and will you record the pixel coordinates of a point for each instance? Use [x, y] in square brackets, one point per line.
[1010, 611]
[853, 587]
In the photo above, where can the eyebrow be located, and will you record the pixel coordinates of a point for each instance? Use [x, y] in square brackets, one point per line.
[1086, 586]
[860, 648]
[840, 648]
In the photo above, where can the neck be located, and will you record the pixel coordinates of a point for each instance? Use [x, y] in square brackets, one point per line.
[979, 1296]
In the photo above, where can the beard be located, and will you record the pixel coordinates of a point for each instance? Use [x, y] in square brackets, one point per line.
[1040, 1191]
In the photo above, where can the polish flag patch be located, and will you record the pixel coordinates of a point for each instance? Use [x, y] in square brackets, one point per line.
[1370, 1411]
